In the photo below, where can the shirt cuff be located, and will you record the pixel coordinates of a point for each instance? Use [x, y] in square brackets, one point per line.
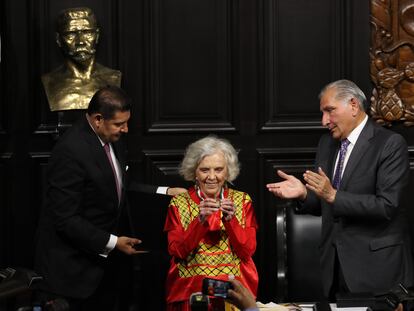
[109, 246]
[162, 190]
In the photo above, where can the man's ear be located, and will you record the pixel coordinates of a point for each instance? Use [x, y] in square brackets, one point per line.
[97, 35]
[354, 105]
[97, 120]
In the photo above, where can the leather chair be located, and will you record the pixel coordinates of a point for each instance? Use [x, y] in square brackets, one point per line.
[299, 275]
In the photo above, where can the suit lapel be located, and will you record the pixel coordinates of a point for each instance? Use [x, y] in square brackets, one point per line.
[326, 154]
[100, 157]
[120, 156]
[358, 151]
[333, 151]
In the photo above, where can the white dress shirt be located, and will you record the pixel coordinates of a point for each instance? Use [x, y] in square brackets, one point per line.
[353, 137]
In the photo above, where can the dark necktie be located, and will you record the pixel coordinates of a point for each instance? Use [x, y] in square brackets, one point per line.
[340, 166]
[108, 154]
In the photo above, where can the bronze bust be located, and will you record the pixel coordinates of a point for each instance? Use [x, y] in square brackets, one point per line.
[72, 85]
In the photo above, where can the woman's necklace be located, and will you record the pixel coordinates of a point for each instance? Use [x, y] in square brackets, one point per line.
[202, 196]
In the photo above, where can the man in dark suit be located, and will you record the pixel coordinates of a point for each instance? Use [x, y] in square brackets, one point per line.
[361, 172]
[84, 233]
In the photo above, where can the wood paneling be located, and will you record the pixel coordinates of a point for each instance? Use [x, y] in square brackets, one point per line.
[2, 70]
[292, 161]
[303, 52]
[161, 168]
[190, 66]
[5, 210]
[295, 59]
[249, 71]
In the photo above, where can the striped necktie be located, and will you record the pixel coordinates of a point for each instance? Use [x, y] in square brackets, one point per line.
[340, 166]
[108, 154]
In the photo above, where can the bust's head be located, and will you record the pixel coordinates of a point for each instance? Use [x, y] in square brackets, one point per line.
[77, 34]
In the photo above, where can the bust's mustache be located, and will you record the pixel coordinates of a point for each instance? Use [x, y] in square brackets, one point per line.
[89, 51]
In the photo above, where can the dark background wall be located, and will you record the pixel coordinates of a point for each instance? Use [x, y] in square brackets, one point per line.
[246, 70]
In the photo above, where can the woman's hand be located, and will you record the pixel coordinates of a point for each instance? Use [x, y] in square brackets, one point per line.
[228, 209]
[208, 207]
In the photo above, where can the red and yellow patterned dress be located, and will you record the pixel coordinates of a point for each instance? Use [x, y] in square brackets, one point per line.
[215, 249]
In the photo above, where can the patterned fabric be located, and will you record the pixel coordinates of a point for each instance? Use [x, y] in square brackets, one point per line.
[339, 167]
[199, 251]
[217, 259]
[188, 209]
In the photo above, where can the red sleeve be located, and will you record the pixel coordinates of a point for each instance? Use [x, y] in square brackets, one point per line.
[182, 242]
[243, 240]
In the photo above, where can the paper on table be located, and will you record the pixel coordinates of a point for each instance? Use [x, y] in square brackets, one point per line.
[335, 308]
[271, 306]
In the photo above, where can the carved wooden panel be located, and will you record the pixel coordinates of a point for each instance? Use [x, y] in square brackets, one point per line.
[189, 74]
[392, 61]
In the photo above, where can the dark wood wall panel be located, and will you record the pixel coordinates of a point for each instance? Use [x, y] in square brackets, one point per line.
[190, 66]
[5, 210]
[38, 170]
[3, 111]
[249, 71]
[161, 168]
[303, 52]
[26, 197]
[2, 87]
[296, 58]
[274, 261]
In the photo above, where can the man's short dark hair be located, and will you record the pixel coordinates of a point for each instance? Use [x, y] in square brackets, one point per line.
[109, 100]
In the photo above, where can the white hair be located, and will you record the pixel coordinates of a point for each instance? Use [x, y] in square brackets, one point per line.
[345, 90]
[208, 146]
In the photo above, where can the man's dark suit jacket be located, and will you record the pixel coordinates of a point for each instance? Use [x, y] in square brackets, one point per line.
[366, 222]
[80, 213]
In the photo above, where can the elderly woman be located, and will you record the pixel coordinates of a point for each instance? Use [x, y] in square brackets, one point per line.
[211, 228]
